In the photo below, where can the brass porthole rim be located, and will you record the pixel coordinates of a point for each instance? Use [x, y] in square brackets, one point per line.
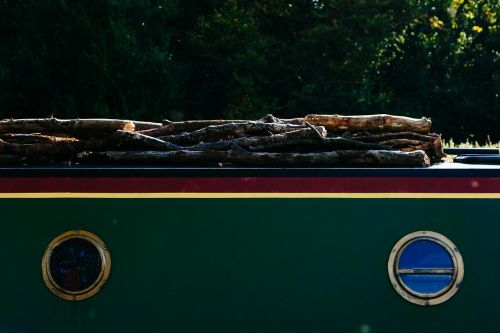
[413, 297]
[103, 274]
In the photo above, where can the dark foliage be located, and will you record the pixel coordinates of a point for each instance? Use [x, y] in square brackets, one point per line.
[243, 59]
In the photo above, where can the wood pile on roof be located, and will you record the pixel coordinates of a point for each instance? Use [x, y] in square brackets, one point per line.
[315, 140]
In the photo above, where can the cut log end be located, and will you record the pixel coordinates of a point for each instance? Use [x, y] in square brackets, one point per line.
[128, 127]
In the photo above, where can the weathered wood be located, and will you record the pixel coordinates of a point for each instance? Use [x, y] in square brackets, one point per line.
[66, 148]
[401, 143]
[269, 141]
[34, 138]
[209, 157]
[293, 121]
[433, 149]
[128, 140]
[228, 131]
[358, 158]
[269, 118]
[250, 141]
[407, 141]
[368, 137]
[63, 149]
[7, 159]
[170, 127]
[72, 126]
[145, 125]
[378, 122]
[381, 158]
[315, 144]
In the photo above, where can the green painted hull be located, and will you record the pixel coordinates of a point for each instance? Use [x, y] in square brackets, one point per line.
[247, 265]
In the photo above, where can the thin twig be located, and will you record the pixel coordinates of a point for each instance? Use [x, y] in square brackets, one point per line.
[321, 137]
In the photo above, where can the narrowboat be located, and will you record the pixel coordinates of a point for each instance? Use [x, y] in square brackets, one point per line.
[157, 249]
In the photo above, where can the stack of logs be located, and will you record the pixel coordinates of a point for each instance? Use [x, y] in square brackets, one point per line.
[315, 140]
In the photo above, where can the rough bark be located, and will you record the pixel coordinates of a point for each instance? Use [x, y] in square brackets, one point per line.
[72, 126]
[252, 141]
[269, 118]
[228, 131]
[269, 141]
[62, 149]
[316, 144]
[367, 137]
[67, 149]
[433, 149]
[145, 125]
[407, 141]
[135, 140]
[209, 157]
[35, 138]
[401, 143]
[7, 159]
[378, 122]
[170, 127]
[358, 158]
[380, 158]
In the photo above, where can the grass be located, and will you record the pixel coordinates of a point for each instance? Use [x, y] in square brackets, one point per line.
[467, 144]
[471, 144]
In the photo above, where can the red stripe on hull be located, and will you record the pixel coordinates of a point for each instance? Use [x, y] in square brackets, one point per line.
[251, 185]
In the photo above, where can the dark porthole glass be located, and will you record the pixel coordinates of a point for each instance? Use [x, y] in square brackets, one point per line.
[75, 264]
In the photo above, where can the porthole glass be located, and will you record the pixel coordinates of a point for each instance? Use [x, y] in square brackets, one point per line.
[75, 265]
[425, 268]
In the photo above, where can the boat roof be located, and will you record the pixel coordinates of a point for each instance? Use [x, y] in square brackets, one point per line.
[437, 170]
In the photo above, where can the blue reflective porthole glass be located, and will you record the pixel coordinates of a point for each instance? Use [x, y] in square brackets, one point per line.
[426, 284]
[425, 268]
[425, 253]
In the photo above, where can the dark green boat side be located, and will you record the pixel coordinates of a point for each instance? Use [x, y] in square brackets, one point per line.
[247, 250]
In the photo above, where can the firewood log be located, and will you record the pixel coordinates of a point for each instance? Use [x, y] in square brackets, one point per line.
[8, 159]
[34, 138]
[145, 125]
[377, 158]
[72, 126]
[378, 122]
[170, 127]
[228, 131]
[431, 143]
[274, 140]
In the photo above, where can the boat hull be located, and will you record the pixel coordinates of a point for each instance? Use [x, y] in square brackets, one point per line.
[247, 254]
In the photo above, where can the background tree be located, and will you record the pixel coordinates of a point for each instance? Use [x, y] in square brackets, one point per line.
[288, 58]
[155, 59]
[87, 58]
[445, 63]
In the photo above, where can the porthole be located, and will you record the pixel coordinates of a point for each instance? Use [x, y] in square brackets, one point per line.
[76, 265]
[425, 268]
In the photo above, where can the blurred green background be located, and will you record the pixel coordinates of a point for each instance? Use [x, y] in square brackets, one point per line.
[196, 59]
